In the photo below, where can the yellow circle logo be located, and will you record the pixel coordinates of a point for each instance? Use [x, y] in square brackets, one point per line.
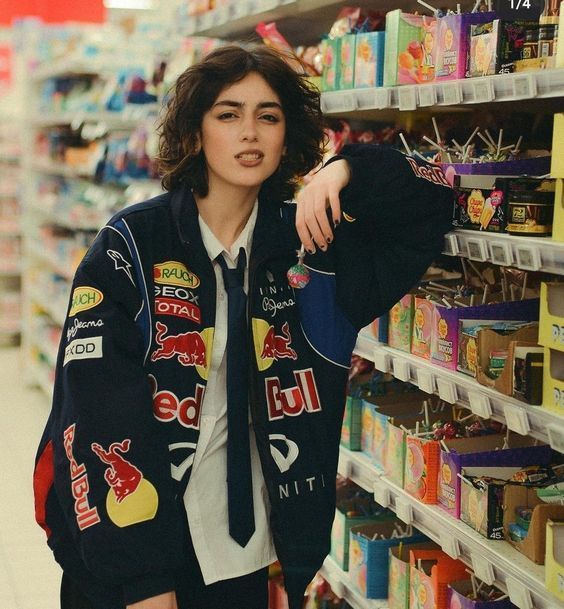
[83, 298]
[140, 506]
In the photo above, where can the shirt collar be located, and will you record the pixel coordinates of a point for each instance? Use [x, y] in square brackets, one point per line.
[245, 240]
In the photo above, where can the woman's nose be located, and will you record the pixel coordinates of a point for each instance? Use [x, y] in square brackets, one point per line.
[248, 130]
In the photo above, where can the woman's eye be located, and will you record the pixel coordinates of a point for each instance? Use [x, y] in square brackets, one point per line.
[226, 115]
[271, 118]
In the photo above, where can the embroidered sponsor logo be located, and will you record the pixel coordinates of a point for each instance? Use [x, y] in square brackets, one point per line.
[86, 516]
[77, 325]
[189, 347]
[284, 462]
[275, 298]
[269, 346]
[177, 308]
[293, 401]
[427, 172]
[168, 407]
[175, 273]
[121, 264]
[131, 498]
[83, 298]
[298, 487]
[83, 348]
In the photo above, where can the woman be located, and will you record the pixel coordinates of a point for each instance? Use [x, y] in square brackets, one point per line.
[184, 452]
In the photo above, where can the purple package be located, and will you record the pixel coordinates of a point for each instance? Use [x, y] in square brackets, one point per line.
[444, 333]
[534, 166]
[453, 39]
[458, 594]
[483, 451]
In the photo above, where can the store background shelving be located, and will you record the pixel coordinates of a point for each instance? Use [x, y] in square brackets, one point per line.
[48, 274]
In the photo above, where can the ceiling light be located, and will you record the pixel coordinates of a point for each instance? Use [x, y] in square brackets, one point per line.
[132, 4]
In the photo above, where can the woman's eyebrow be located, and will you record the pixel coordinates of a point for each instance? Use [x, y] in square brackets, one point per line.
[237, 104]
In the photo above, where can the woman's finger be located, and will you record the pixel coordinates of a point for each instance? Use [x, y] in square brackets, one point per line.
[301, 226]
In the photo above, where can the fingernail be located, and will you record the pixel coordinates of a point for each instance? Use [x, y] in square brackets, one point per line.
[336, 223]
[323, 247]
[311, 250]
[329, 239]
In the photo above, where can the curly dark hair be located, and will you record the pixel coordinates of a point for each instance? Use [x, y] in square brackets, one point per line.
[180, 159]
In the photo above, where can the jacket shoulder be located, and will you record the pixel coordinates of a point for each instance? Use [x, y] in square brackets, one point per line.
[139, 210]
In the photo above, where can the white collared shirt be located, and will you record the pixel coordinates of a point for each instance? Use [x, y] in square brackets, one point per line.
[219, 556]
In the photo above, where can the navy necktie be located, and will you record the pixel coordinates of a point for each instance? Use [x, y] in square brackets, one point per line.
[239, 478]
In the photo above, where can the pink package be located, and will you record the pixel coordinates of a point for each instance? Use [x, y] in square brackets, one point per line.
[422, 328]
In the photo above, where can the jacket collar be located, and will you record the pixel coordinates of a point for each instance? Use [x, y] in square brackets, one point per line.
[274, 230]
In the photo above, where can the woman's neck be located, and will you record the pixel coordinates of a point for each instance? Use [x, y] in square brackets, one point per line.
[226, 214]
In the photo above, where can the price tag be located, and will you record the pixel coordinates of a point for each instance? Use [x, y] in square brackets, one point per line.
[452, 248]
[401, 369]
[381, 494]
[480, 404]
[516, 419]
[528, 258]
[381, 360]
[501, 253]
[524, 86]
[483, 569]
[452, 93]
[477, 249]
[556, 437]
[383, 98]
[483, 90]
[365, 99]
[407, 98]
[518, 9]
[425, 380]
[450, 544]
[447, 390]
[346, 101]
[427, 96]
[337, 586]
[344, 466]
[404, 510]
[519, 593]
[266, 5]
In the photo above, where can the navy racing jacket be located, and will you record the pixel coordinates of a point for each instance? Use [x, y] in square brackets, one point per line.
[117, 450]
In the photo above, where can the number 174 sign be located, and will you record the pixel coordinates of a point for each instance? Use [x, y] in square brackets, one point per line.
[519, 9]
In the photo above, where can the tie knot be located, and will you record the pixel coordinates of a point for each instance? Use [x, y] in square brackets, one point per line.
[233, 278]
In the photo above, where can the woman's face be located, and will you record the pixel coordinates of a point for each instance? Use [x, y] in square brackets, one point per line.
[243, 135]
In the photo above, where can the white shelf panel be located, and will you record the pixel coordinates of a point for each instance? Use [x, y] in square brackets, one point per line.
[528, 253]
[539, 84]
[129, 118]
[342, 586]
[497, 557]
[459, 388]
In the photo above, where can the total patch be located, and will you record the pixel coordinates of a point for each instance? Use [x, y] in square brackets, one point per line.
[83, 298]
[173, 272]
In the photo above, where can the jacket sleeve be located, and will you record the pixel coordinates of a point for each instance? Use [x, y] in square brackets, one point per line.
[111, 465]
[395, 213]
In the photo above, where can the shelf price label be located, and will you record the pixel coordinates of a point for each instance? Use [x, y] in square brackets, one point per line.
[480, 404]
[477, 249]
[483, 90]
[407, 97]
[483, 569]
[524, 86]
[382, 98]
[381, 493]
[452, 245]
[556, 437]
[344, 466]
[449, 544]
[517, 419]
[381, 360]
[519, 593]
[427, 96]
[447, 390]
[518, 9]
[528, 258]
[452, 94]
[401, 369]
[425, 380]
[404, 510]
[501, 253]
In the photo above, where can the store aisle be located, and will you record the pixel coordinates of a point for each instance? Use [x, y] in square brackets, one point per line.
[29, 577]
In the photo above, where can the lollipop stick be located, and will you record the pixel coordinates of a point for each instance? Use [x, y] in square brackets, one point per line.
[404, 142]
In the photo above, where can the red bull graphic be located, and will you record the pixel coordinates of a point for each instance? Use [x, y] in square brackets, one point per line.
[131, 498]
[293, 401]
[86, 516]
[168, 407]
[269, 346]
[189, 347]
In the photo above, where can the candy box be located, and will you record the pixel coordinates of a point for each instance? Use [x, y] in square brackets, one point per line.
[421, 468]
[400, 325]
[376, 330]
[369, 60]
[367, 428]
[430, 573]
[408, 54]
[482, 451]
[460, 597]
[398, 588]
[481, 501]
[444, 337]
[350, 431]
[517, 497]
[480, 203]
[331, 64]
[345, 78]
[422, 327]
[554, 571]
[369, 556]
[551, 327]
[553, 380]
[451, 46]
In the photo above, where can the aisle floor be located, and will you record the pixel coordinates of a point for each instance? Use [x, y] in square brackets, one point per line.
[29, 577]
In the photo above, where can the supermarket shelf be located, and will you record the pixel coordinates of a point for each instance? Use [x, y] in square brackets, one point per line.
[127, 119]
[541, 84]
[10, 271]
[40, 254]
[40, 378]
[68, 218]
[457, 388]
[55, 310]
[79, 67]
[342, 586]
[495, 562]
[528, 253]
[59, 169]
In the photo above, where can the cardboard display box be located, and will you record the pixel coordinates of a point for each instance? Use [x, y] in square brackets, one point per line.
[398, 588]
[400, 325]
[369, 63]
[554, 571]
[459, 597]
[551, 322]
[553, 380]
[352, 417]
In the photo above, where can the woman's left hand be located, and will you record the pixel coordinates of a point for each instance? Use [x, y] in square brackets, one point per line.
[313, 201]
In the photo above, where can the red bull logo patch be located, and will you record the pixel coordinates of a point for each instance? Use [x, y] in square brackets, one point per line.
[190, 348]
[132, 498]
[168, 407]
[175, 273]
[293, 401]
[86, 516]
[269, 346]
